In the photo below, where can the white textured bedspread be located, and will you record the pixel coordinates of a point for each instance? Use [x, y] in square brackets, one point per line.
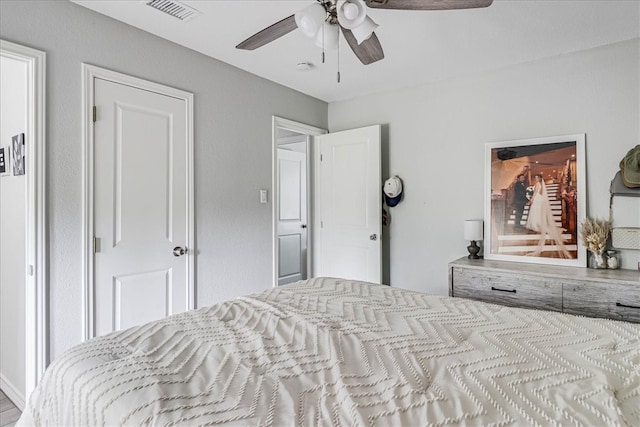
[338, 352]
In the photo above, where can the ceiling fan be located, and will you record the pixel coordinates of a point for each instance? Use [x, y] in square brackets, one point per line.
[323, 20]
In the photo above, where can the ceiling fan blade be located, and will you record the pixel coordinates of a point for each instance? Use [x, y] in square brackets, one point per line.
[427, 4]
[269, 34]
[369, 51]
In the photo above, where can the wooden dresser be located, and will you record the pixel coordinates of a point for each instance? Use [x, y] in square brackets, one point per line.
[613, 294]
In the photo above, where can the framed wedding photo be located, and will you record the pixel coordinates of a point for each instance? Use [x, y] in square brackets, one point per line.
[535, 200]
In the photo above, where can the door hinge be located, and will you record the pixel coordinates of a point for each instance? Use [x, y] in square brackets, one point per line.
[95, 113]
[95, 245]
[320, 157]
[321, 224]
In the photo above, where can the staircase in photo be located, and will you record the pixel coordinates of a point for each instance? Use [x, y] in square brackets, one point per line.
[523, 241]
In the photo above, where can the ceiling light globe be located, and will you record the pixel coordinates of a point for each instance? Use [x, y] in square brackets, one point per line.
[351, 13]
[327, 37]
[307, 25]
[350, 10]
[364, 31]
[310, 19]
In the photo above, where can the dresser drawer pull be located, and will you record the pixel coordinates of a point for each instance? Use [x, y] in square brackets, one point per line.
[513, 291]
[627, 306]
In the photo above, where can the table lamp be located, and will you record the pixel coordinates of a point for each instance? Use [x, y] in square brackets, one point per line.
[473, 232]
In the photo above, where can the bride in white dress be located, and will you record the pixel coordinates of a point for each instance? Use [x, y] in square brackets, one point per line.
[540, 219]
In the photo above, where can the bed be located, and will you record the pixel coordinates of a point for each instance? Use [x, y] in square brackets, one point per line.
[339, 352]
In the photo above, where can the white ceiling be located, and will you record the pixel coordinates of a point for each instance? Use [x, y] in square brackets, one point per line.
[419, 46]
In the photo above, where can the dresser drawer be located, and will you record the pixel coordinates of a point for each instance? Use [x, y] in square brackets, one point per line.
[610, 300]
[507, 289]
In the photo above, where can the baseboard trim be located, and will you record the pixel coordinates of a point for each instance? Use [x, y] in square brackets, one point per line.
[12, 392]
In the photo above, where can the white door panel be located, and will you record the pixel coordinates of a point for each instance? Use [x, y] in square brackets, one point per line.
[140, 206]
[348, 179]
[291, 166]
[349, 205]
[290, 256]
[154, 288]
[292, 215]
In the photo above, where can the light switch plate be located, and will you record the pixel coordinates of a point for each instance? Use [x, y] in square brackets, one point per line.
[263, 196]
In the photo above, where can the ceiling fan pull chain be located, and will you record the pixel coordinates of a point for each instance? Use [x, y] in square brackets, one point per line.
[338, 50]
[322, 43]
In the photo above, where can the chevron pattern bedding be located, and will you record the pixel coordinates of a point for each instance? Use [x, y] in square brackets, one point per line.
[339, 352]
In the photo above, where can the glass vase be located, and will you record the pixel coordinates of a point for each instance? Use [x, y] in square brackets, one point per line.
[613, 260]
[597, 260]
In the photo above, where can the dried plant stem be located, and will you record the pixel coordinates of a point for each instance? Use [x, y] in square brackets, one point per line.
[595, 233]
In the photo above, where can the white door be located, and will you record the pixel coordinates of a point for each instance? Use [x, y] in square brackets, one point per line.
[141, 179]
[348, 205]
[292, 214]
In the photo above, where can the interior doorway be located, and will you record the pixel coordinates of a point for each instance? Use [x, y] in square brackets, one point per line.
[23, 265]
[292, 201]
[139, 216]
[292, 207]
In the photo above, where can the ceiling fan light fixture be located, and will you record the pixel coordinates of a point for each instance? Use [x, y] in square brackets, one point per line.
[310, 19]
[330, 33]
[351, 13]
[349, 17]
[363, 31]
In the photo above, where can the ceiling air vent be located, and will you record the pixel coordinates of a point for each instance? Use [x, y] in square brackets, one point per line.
[175, 9]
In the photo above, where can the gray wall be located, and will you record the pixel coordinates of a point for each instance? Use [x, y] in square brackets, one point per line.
[233, 112]
[434, 139]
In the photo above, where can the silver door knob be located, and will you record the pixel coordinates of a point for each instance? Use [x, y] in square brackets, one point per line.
[178, 251]
[373, 237]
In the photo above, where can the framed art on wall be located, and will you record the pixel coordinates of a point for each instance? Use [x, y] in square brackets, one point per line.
[18, 153]
[535, 200]
[5, 161]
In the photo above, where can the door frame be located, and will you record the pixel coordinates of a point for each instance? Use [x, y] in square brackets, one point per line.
[89, 74]
[282, 123]
[36, 309]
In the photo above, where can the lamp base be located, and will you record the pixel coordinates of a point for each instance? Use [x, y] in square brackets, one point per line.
[473, 249]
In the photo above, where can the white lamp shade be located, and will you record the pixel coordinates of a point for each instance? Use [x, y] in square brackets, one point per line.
[351, 13]
[363, 31]
[473, 229]
[330, 33]
[310, 19]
